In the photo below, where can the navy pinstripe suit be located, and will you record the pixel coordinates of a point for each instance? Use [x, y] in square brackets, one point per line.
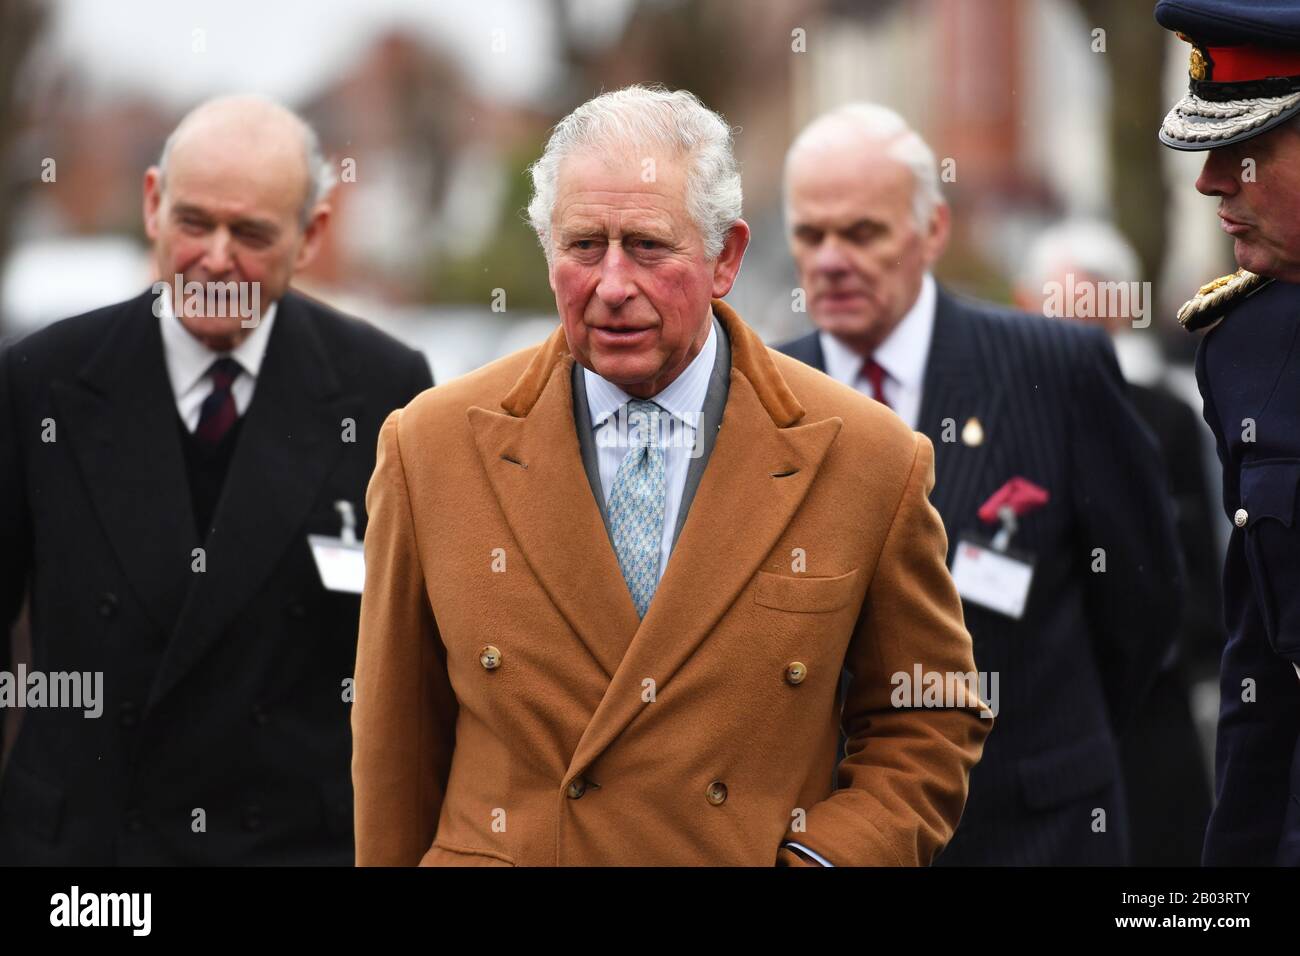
[1054, 410]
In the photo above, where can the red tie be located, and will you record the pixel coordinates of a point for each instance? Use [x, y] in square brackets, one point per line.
[218, 412]
[875, 376]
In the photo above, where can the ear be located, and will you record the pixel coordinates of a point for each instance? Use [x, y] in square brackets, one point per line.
[727, 265]
[152, 201]
[936, 241]
[313, 235]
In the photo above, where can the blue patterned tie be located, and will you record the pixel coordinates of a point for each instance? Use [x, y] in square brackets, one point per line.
[636, 504]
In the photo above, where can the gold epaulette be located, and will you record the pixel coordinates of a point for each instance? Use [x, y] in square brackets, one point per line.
[1212, 300]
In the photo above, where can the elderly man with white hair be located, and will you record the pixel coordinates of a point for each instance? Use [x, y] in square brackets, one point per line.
[613, 580]
[1051, 491]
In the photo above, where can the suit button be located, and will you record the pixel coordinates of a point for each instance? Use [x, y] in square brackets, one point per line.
[107, 605]
[576, 788]
[716, 793]
[1240, 518]
[489, 657]
[134, 822]
[297, 610]
[260, 716]
[795, 672]
[128, 714]
[252, 820]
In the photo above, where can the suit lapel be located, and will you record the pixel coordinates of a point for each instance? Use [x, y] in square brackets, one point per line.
[289, 443]
[960, 384]
[534, 466]
[761, 467]
[120, 419]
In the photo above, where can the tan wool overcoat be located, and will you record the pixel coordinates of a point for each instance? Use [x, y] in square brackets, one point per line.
[511, 708]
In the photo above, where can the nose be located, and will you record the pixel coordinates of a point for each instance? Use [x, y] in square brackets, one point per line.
[218, 258]
[829, 258]
[615, 286]
[1218, 175]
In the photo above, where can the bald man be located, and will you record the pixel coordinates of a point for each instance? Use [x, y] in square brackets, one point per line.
[163, 462]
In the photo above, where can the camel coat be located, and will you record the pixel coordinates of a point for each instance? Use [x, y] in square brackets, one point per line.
[510, 707]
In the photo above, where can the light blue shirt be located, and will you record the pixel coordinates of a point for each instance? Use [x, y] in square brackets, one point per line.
[679, 430]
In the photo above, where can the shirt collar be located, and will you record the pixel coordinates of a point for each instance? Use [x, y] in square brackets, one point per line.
[902, 355]
[683, 398]
[188, 359]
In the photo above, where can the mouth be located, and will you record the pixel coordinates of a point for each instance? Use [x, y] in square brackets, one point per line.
[621, 337]
[1233, 227]
[841, 297]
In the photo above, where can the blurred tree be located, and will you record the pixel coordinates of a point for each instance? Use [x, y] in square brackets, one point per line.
[20, 24]
[1134, 59]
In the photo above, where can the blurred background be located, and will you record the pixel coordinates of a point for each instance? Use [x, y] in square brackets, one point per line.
[1040, 110]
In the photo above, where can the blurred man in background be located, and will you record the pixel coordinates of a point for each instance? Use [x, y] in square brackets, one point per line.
[1241, 106]
[1051, 491]
[1164, 768]
[162, 462]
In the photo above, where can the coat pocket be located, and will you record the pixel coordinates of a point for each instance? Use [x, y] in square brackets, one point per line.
[805, 595]
[447, 854]
[1272, 546]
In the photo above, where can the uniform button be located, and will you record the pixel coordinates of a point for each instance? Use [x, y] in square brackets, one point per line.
[1240, 518]
[252, 820]
[795, 672]
[489, 657]
[134, 822]
[716, 793]
[576, 788]
[107, 605]
[128, 714]
[260, 716]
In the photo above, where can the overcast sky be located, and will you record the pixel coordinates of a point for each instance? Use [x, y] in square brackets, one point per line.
[288, 48]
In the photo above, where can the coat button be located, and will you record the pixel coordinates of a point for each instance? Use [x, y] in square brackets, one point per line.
[297, 610]
[252, 820]
[576, 788]
[260, 716]
[128, 714]
[107, 605]
[1240, 518]
[716, 793]
[489, 657]
[795, 672]
[134, 822]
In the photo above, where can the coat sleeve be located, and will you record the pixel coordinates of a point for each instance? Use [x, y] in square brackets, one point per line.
[404, 711]
[903, 780]
[1122, 507]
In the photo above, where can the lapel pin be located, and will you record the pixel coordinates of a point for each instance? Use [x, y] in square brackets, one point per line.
[972, 433]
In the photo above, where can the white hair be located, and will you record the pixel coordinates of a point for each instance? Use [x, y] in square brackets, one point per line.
[905, 145]
[1081, 245]
[648, 117]
[320, 171]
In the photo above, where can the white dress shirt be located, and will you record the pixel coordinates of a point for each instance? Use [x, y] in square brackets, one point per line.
[903, 356]
[188, 361]
[683, 400]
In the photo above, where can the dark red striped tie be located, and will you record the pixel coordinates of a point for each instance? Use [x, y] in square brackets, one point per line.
[874, 373]
[219, 411]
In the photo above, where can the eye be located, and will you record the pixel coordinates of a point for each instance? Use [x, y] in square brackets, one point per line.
[584, 245]
[648, 245]
[193, 224]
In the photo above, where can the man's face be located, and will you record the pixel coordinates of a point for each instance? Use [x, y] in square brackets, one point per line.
[1258, 185]
[856, 244]
[230, 212]
[631, 279]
